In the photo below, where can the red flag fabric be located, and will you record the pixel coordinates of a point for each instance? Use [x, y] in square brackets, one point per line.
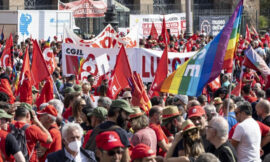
[46, 93]
[6, 58]
[6, 88]
[39, 67]
[121, 73]
[161, 73]
[164, 32]
[215, 84]
[153, 32]
[137, 98]
[254, 31]
[248, 36]
[25, 86]
[147, 102]
[237, 90]
[49, 58]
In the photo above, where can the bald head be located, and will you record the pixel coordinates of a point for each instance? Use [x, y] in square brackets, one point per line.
[264, 106]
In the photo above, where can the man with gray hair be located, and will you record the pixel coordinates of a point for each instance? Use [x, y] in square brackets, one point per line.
[104, 102]
[217, 134]
[58, 105]
[72, 135]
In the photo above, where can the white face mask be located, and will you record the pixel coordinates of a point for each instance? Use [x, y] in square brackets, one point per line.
[75, 145]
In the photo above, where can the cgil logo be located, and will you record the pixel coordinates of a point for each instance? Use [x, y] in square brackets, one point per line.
[74, 51]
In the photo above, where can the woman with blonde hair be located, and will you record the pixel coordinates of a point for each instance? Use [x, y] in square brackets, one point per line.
[191, 140]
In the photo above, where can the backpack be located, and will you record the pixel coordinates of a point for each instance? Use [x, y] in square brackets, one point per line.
[91, 143]
[19, 134]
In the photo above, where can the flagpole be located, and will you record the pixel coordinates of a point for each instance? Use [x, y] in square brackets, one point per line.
[60, 98]
[230, 91]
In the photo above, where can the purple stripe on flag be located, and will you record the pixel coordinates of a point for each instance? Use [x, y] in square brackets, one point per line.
[223, 42]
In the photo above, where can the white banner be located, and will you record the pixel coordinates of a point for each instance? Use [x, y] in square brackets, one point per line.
[174, 22]
[108, 38]
[143, 61]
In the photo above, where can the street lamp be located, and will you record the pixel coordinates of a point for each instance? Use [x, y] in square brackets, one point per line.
[111, 15]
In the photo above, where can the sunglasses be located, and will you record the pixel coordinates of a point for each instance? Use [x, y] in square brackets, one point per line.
[113, 152]
[127, 98]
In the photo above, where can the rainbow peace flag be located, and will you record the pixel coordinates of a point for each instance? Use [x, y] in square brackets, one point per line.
[204, 66]
[232, 45]
[80, 62]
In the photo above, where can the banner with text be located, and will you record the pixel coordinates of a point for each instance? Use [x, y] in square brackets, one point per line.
[143, 61]
[212, 25]
[174, 22]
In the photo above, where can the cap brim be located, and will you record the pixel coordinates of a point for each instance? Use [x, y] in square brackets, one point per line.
[195, 115]
[112, 146]
[129, 110]
[6, 116]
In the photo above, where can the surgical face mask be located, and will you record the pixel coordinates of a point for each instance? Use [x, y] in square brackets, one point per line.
[75, 145]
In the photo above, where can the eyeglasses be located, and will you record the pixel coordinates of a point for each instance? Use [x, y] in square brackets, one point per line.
[113, 152]
[127, 98]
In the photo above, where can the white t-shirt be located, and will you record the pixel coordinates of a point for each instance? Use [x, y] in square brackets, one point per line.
[249, 136]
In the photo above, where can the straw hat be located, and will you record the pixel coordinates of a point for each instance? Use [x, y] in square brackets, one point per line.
[188, 125]
[170, 111]
[137, 112]
[217, 101]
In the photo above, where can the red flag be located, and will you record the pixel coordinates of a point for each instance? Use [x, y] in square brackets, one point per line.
[25, 86]
[248, 36]
[237, 90]
[39, 68]
[153, 32]
[6, 88]
[161, 73]
[215, 84]
[46, 93]
[254, 31]
[164, 32]
[147, 102]
[137, 98]
[121, 73]
[49, 58]
[6, 58]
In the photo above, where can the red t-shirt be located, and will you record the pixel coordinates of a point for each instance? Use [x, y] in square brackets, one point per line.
[3, 135]
[67, 113]
[56, 143]
[33, 135]
[264, 129]
[250, 99]
[86, 137]
[160, 136]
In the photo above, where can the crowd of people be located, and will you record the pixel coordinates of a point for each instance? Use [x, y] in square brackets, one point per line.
[78, 126]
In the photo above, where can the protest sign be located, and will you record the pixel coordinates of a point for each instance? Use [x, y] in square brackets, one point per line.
[174, 22]
[143, 61]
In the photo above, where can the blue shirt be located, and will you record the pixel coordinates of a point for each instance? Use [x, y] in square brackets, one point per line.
[231, 119]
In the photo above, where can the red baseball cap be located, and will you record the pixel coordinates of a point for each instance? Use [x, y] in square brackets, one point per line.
[108, 140]
[196, 111]
[140, 151]
[50, 109]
